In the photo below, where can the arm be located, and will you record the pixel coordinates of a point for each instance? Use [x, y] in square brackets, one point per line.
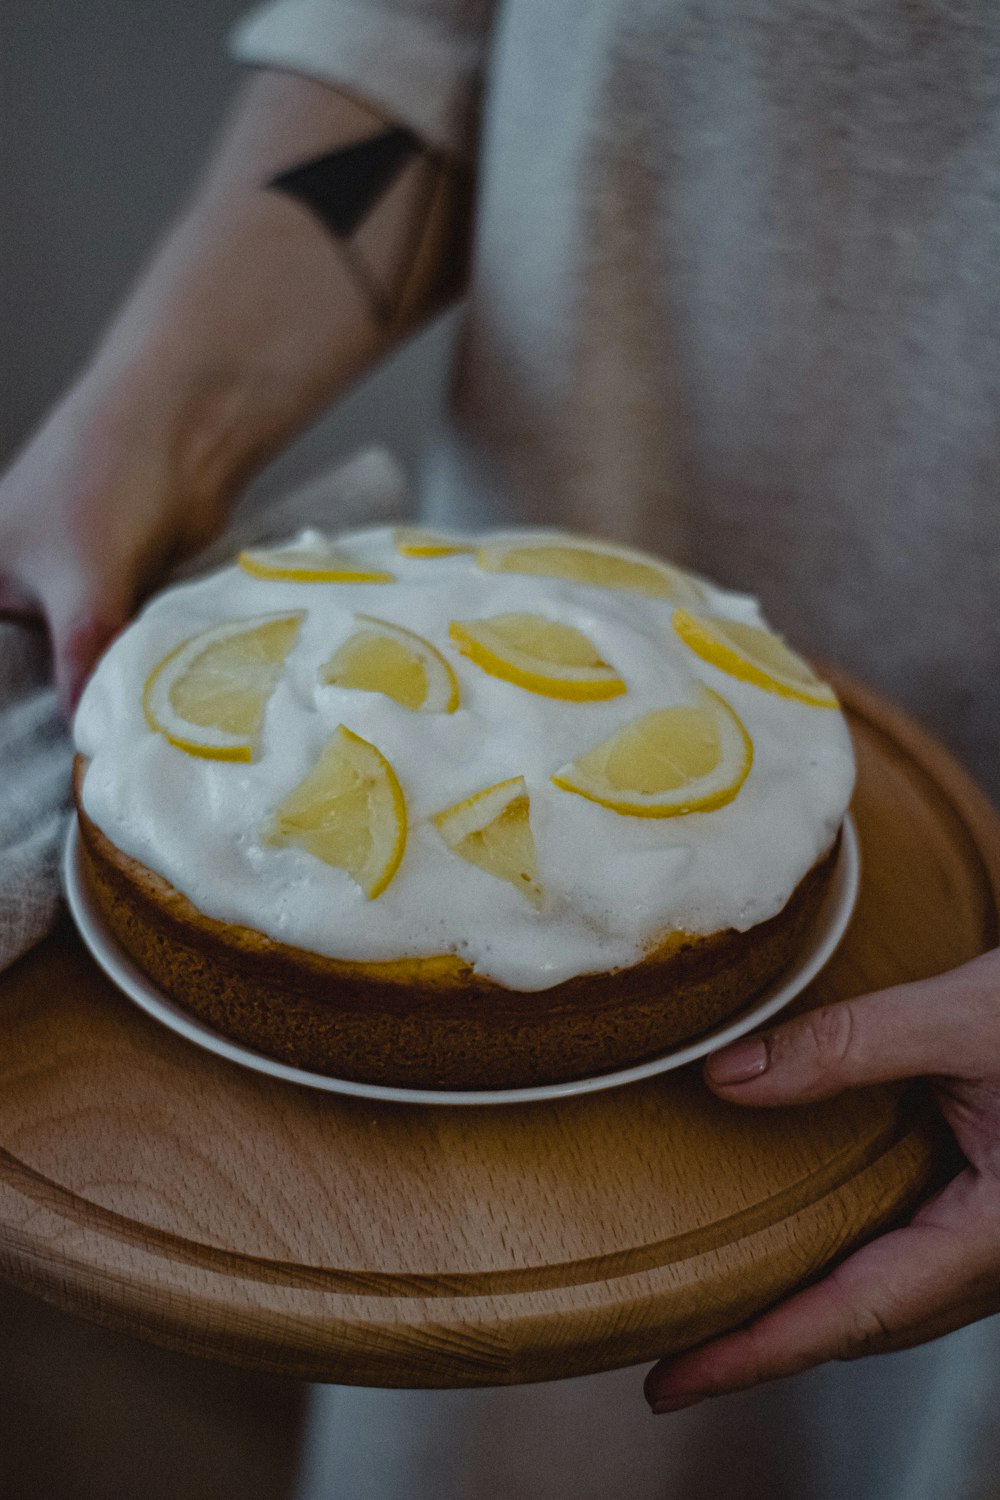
[263, 304]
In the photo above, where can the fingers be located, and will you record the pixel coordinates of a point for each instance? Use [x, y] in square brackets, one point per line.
[84, 608]
[903, 1289]
[949, 1025]
[84, 616]
[77, 652]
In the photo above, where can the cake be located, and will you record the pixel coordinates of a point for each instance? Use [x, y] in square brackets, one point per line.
[452, 812]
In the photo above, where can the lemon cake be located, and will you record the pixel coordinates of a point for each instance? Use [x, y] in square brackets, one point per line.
[458, 812]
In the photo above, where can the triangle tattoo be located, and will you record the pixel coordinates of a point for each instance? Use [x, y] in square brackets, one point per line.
[343, 186]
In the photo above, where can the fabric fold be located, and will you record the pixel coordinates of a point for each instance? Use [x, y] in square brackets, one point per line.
[418, 64]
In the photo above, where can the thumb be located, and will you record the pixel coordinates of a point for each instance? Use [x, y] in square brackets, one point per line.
[947, 1026]
[84, 616]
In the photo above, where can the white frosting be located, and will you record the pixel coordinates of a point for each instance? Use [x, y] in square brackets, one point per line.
[613, 884]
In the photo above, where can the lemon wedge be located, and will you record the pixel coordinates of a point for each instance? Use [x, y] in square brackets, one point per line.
[411, 541]
[753, 655]
[208, 695]
[689, 758]
[314, 564]
[349, 811]
[596, 563]
[543, 656]
[380, 657]
[492, 829]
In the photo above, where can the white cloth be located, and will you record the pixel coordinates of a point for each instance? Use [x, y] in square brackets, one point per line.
[35, 750]
[35, 759]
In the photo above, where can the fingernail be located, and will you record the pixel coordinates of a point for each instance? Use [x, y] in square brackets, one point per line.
[677, 1402]
[737, 1064]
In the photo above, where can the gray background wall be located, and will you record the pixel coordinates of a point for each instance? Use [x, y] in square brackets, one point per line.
[107, 108]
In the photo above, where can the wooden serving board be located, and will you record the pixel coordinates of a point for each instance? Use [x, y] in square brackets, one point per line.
[162, 1191]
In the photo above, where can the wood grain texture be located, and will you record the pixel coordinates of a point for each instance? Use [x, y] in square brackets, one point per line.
[161, 1191]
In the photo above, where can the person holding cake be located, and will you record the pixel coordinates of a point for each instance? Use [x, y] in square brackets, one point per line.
[729, 294]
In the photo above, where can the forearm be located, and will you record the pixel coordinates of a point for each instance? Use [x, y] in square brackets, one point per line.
[253, 315]
[259, 308]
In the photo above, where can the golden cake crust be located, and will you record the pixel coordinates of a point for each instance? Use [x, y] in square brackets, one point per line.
[433, 1022]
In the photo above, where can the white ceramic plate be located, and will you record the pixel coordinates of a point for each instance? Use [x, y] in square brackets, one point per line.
[828, 929]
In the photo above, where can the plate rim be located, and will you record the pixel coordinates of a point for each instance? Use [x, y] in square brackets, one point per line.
[827, 931]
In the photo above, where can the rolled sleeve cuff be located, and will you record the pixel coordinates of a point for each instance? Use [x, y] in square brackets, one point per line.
[416, 69]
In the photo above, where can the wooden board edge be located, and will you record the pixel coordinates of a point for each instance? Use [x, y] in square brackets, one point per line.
[970, 805]
[471, 1341]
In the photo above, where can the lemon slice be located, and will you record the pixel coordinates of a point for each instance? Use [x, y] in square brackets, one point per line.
[543, 656]
[411, 541]
[690, 758]
[753, 655]
[319, 563]
[492, 829]
[349, 812]
[384, 658]
[208, 695]
[596, 563]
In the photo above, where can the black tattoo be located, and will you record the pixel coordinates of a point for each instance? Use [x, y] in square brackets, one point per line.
[344, 186]
[342, 189]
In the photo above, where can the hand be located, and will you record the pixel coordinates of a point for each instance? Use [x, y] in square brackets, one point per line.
[916, 1283]
[90, 515]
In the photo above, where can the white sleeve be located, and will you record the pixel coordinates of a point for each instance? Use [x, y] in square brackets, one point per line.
[418, 61]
